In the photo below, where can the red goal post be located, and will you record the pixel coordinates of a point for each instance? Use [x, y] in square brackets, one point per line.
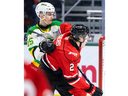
[101, 62]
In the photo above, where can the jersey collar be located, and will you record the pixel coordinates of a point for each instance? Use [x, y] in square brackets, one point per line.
[42, 28]
[73, 44]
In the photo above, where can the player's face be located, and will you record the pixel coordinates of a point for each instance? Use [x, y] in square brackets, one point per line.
[49, 17]
[85, 41]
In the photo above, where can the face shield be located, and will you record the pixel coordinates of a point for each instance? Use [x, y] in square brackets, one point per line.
[54, 14]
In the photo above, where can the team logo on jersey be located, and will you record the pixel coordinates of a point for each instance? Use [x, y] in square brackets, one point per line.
[55, 32]
[75, 54]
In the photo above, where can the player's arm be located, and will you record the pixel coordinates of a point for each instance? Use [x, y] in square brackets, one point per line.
[33, 45]
[65, 27]
[57, 24]
[70, 73]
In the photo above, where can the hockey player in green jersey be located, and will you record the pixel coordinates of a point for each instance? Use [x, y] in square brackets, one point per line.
[46, 27]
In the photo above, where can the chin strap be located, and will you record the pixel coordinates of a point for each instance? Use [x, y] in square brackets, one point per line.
[44, 20]
[81, 43]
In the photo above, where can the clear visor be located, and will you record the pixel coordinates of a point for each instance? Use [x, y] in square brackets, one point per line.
[54, 14]
[51, 13]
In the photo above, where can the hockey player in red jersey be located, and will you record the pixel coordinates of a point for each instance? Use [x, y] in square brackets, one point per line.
[61, 64]
[35, 84]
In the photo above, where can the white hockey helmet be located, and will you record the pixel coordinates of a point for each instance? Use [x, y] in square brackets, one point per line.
[45, 7]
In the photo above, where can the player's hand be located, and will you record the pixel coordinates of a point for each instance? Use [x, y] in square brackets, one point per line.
[98, 92]
[43, 46]
[94, 91]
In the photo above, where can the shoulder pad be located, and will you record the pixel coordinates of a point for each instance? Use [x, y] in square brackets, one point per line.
[32, 29]
[56, 23]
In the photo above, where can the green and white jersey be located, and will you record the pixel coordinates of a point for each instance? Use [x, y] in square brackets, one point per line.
[33, 40]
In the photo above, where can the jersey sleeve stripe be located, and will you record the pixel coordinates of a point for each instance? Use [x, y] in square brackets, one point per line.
[35, 62]
[54, 69]
[50, 63]
[74, 81]
[45, 62]
[33, 52]
[70, 76]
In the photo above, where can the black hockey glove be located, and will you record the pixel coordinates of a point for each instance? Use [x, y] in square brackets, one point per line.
[43, 46]
[98, 92]
[94, 91]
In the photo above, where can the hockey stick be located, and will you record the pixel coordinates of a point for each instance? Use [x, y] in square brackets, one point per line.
[40, 35]
[84, 76]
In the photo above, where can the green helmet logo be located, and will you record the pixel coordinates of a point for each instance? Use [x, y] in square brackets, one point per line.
[44, 4]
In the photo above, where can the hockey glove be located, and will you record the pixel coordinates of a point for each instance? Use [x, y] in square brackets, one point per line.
[43, 46]
[98, 92]
[94, 91]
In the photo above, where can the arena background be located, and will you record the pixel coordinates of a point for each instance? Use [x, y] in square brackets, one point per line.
[12, 48]
[88, 12]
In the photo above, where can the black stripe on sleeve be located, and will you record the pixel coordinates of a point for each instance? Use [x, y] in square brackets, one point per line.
[34, 51]
[73, 79]
[44, 57]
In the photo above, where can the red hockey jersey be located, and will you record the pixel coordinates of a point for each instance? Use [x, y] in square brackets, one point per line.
[34, 83]
[66, 57]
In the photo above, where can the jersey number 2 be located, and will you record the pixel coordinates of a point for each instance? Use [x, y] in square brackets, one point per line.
[71, 67]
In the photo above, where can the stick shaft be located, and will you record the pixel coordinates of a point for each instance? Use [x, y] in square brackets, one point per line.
[40, 35]
[84, 75]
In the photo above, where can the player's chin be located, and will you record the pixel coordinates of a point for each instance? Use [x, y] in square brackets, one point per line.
[50, 22]
[83, 46]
